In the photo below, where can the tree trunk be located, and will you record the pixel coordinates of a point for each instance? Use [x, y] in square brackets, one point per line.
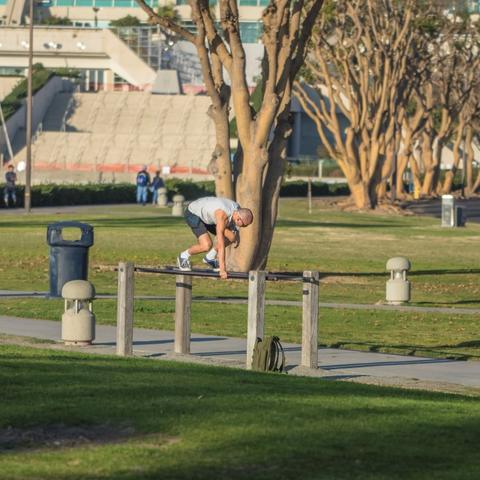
[271, 189]
[360, 194]
[450, 175]
[248, 195]
[220, 165]
[470, 157]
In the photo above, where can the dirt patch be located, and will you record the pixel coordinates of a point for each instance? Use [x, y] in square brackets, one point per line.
[344, 280]
[61, 436]
[415, 384]
[25, 341]
[384, 208]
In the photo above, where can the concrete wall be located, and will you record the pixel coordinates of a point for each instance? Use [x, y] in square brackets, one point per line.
[7, 84]
[66, 47]
[40, 104]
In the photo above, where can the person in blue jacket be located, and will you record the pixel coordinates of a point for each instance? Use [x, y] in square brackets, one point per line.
[143, 181]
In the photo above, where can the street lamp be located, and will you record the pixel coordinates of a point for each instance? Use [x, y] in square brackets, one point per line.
[28, 167]
[95, 18]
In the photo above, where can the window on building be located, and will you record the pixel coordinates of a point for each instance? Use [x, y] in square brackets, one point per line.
[100, 3]
[250, 32]
[254, 3]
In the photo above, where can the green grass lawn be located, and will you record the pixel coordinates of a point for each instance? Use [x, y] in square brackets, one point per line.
[163, 420]
[349, 249]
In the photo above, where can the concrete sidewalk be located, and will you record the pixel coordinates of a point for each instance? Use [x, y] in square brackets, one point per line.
[226, 351]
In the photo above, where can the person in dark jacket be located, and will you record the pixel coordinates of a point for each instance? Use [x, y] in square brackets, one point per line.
[157, 182]
[9, 191]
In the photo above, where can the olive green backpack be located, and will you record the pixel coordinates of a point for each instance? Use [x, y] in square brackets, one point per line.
[268, 355]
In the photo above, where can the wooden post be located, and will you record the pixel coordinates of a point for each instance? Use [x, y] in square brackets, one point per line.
[256, 310]
[310, 319]
[125, 308]
[183, 313]
[309, 194]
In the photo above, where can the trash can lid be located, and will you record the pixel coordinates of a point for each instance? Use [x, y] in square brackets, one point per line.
[78, 290]
[398, 263]
[178, 198]
[55, 237]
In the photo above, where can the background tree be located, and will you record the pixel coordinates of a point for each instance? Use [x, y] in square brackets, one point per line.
[126, 21]
[261, 156]
[53, 20]
[363, 66]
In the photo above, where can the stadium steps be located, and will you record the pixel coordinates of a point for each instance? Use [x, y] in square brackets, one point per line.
[119, 131]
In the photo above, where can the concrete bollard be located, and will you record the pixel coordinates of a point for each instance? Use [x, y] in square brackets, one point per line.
[398, 287]
[78, 320]
[162, 197]
[177, 209]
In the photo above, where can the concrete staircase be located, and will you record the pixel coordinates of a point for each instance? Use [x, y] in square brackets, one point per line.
[14, 12]
[114, 133]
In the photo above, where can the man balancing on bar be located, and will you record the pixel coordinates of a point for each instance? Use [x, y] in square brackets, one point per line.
[221, 217]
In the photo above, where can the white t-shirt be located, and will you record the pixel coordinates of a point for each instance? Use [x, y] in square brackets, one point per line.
[206, 207]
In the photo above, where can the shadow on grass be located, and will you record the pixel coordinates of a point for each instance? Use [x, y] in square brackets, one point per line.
[442, 353]
[231, 423]
[309, 223]
[413, 273]
[135, 222]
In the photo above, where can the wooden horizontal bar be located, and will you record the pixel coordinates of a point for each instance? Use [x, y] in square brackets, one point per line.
[272, 276]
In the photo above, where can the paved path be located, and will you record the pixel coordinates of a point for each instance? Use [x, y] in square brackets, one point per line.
[433, 208]
[334, 363]
[283, 303]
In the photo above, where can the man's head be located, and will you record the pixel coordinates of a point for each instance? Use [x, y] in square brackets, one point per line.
[10, 168]
[243, 217]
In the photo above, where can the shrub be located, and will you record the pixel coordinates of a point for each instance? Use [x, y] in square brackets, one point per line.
[53, 195]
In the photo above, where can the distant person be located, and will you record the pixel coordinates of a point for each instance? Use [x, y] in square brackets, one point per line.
[157, 182]
[9, 191]
[143, 181]
[221, 217]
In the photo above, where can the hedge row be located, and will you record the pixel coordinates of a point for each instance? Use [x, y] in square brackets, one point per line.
[50, 195]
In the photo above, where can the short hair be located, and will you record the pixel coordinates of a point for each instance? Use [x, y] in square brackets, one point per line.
[246, 215]
[10, 166]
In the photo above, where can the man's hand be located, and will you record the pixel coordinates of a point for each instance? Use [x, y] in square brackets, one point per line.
[223, 274]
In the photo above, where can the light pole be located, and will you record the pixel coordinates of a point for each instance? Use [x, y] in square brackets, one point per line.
[95, 17]
[28, 167]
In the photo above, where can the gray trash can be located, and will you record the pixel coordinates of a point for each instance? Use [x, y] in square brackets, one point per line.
[68, 258]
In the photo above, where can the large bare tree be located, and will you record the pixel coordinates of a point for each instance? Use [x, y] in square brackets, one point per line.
[365, 53]
[260, 160]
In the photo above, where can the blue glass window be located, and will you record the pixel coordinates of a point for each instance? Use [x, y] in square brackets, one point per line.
[3, 2]
[123, 3]
[103, 3]
[64, 3]
[250, 32]
[84, 3]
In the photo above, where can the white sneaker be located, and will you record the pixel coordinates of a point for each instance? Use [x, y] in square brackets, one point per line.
[183, 264]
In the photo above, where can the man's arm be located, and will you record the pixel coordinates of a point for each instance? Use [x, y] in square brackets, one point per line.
[232, 236]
